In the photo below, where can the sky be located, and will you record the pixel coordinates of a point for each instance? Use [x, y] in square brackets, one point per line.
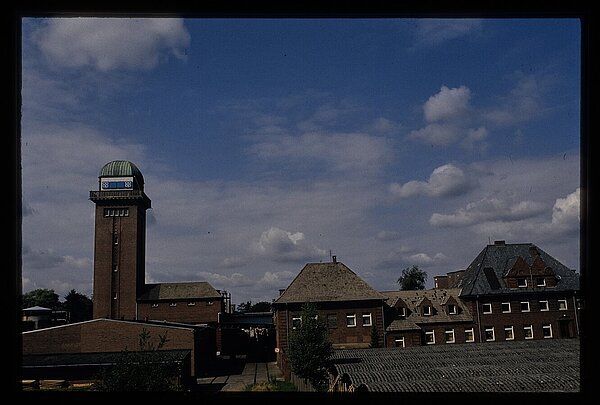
[269, 143]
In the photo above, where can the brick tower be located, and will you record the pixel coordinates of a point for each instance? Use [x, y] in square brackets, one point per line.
[119, 240]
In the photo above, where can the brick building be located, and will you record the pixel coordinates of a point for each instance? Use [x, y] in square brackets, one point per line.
[120, 291]
[79, 350]
[347, 304]
[519, 292]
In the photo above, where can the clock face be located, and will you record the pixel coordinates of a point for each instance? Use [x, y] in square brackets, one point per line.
[117, 183]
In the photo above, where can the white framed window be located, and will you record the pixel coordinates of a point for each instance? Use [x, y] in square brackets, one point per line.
[426, 310]
[449, 335]
[429, 337]
[367, 319]
[154, 305]
[191, 304]
[172, 304]
[296, 322]
[469, 335]
[116, 268]
[544, 306]
[522, 282]
[115, 296]
[547, 331]
[509, 333]
[209, 302]
[540, 282]
[525, 306]
[452, 310]
[528, 330]
[402, 312]
[505, 306]
[399, 342]
[350, 320]
[562, 305]
[486, 308]
[489, 334]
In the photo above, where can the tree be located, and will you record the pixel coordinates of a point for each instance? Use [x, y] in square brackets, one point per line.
[310, 349]
[262, 306]
[141, 370]
[42, 297]
[412, 279]
[78, 305]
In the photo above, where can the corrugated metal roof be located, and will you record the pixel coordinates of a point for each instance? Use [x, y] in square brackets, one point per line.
[322, 282]
[520, 366]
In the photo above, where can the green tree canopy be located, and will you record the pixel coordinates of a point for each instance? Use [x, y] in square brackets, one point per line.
[412, 278]
[41, 297]
[310, 349]
[78, 305]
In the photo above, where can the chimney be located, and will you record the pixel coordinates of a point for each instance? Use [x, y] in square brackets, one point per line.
[281, 290]
[499, 243]
[334, 258]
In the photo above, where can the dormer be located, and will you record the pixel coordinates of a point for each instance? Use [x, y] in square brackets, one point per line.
[401, 308]
[451, 306]
[425, 307]
[523, 276]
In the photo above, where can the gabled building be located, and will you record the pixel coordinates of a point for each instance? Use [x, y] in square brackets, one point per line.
[347, 304]
[427, 317]
[518, 292]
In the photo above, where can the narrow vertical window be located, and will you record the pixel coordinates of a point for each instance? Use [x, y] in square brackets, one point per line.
[449, 334]
[430, 337]
[509, 333]
[350, 320]
[469, 335]
[547, 331]
[366, 319]
[489, 334]
[528, 329]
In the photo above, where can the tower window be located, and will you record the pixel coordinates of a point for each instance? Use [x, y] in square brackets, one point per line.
[116, 212]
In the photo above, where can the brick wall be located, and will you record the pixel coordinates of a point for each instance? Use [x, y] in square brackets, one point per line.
[103, 335]
[202, 311]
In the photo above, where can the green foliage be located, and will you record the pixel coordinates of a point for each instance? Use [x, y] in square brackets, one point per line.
[310, 349]
[412, 278]
[78, 305]
[41, 297]
[139, 370]
[374, 337]
[261, 306]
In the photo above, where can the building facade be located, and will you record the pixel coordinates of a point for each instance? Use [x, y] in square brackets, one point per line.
[120, 290]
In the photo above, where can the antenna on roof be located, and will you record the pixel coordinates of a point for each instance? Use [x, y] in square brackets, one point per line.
[329, 254]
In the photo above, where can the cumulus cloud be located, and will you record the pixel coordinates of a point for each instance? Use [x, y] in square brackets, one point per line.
[447, 104]
[402, 256]
[448, 114]
[338, 151]
[566, 212]
[277, 279]
[431, 32]
[488, 209]
[99, 42]
[221, 281]
[445, 181]
[283, 246]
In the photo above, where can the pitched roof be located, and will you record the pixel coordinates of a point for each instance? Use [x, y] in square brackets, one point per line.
[438, 298]
[322, 282]
[500, 258]
[179, 291]
[550, 365]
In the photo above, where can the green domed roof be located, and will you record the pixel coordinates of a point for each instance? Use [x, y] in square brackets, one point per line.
[121, 168]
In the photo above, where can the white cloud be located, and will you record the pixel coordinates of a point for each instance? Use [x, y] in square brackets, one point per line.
[111, 43]
[445, 181]
[523, 103]
[488, 209]
[566, 212]
[283, 246]
[277, 279]
[423, 259]
[431, 32]
[338, 151]
[447, 104]
[437, 134]
[400, 257]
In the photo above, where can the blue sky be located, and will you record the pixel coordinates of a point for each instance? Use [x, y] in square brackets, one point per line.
[267, 143]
